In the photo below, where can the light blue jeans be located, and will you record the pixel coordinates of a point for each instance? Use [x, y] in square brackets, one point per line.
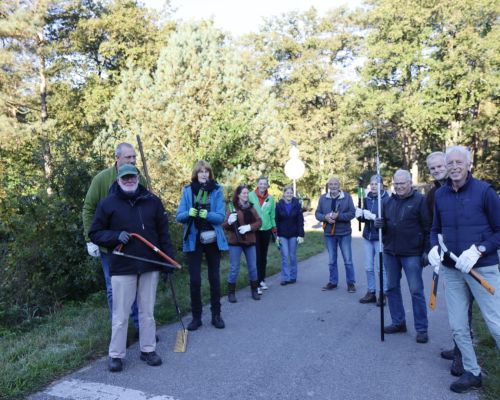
[134, 312]
[234, 262]
[344, 242]
[413, 271]
[372, 249]
[457, 293]
[288, 250]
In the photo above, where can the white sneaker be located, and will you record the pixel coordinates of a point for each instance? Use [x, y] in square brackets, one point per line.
[263, 285]
[259, 290]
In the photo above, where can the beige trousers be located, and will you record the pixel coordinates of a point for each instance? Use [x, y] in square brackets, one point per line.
[125, 289]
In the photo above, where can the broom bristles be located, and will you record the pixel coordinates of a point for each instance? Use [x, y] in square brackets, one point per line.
[181, 341]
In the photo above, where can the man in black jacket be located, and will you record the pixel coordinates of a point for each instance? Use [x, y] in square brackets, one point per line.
[131, 208]
[406, 226]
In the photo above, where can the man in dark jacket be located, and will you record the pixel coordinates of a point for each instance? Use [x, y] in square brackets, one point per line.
[131, 208]
[467, 215]
[406, 240]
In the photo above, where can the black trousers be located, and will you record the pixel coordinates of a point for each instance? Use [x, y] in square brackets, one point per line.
[262, 245]
[212, 255]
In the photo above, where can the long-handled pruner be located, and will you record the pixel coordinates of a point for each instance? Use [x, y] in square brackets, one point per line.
[483, 282]
[171, 264]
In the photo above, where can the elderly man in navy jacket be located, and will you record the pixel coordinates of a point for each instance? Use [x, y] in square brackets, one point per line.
[467, 214]
[131, 208]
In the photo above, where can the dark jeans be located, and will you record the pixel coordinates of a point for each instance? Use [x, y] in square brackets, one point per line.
[212, 255]
[262, 245]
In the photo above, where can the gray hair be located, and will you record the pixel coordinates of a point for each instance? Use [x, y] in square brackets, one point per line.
[403, 172]
[434, 155]
[119, 148]
[459, 149]
[375, 178]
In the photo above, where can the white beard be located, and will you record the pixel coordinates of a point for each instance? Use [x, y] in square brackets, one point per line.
[128, 189]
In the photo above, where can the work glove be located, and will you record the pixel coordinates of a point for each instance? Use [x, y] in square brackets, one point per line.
[232, 218]
[193, 212]
[93, 249]
[468, 259]
[203, 213]
[369, 215]
[358, 213]
[379, 223]
[124, 237]
[424, 259]
[434, 257]
[244, 229]
[300, 240]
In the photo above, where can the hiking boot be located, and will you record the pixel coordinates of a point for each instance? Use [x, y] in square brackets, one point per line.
[381, 301]
[448, 354]
[351, 288]
[253, 290]
[329, 286]
[218, 322]
[284, 283]
[457, 367]
[292, 281]
[194, 324]
[422, 337]
[151, 358]
[115, 364]
[466, 382]
[263, 285]
[231, 293]
[369, 298]
[401, 328]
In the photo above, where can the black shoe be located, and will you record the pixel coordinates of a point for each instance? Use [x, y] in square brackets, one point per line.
[466, 382]
[369, 298]
[381, 301]
[194, 324]
[151, 358]
[292, 281]
[329, 286]
[284, 283]
[218, 322]
[448, 354]
[115, 364]
[351, 288]
[422, 337]
[457, 367]
[401, 328]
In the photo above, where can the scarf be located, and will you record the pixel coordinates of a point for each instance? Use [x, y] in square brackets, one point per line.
[262, 198]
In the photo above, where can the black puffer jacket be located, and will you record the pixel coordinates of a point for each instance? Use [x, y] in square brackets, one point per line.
[407, 227]
[142, 213]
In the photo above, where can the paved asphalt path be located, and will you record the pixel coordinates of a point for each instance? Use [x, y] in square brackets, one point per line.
[298, 342]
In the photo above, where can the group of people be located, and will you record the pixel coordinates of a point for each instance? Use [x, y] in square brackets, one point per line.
[118, 207]
[460, 210]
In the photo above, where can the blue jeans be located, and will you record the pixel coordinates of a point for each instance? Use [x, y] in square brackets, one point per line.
[413, 271]
[288, 250]
[234, 262]
[458, 288]
[344, 242]
[134, 312]
[372, 249]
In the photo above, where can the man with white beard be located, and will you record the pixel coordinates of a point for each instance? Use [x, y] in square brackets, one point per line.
[131, 208]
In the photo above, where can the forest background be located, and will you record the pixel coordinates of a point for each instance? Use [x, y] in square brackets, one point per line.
[79, 76]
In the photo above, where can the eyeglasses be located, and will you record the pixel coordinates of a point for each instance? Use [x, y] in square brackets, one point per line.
[455, 163]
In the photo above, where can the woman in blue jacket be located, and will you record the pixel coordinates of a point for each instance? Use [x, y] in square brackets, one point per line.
[290, 225]
[202, 211]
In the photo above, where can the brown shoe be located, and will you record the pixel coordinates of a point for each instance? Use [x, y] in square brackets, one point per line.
[329, 286]
[369, 298]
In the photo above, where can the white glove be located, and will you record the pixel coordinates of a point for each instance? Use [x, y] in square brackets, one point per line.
[93, 249]
[359, 212]
[369, 215]
[434, 257]
[468, 259]
[244, 229]
[232, 218]
[300, 240]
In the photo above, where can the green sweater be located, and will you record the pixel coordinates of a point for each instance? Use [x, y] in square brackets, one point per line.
[266, 211]
[98, 190]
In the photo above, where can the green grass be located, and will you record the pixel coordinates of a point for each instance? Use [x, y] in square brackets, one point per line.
[36, 353]
[488, 355]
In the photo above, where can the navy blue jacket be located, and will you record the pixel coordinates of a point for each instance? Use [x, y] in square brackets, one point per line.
[143, 214]
[371, 204]
[407, 225]
[345, 209]
[289, 225]
[468, 216]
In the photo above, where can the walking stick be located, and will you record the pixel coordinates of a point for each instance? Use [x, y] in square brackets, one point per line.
[380, 257]
[361, 196]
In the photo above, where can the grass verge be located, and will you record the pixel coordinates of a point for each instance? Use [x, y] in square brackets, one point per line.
[34, 355]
